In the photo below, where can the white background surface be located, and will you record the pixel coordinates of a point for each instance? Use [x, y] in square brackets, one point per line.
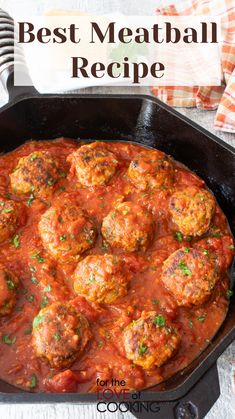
[224, 408]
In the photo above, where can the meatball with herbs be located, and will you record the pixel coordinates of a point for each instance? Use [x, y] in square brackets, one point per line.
[8, 287]
[9, 212]
[101, 278]
[36, 173]
[93, 164]
[151, 340]
[129, 227]
[151, 169]
[66, 230]
[60, 334]
[192, 209]
[190, 275]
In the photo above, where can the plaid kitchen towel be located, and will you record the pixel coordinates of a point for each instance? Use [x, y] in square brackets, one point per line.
[221, 97]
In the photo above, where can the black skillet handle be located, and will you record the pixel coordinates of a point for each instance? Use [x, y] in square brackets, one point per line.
[7, 59]
[194, 405]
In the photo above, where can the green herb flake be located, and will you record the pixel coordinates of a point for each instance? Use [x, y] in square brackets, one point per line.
[30, 200]
[184, 268]
[10, 284]
[34, 280]
[62, 174]
[33, 157]
[47, 288]
[51, 182]
[7, 210]
[154, 301]
[44, 301]
[7, 340]
[37, 321]
[33, 381]
[190, 323]
[92, 277]
[57, 337]
[142, 349]
[205, 252]
[178, 236]
[159, 320]
[100, 344]
[38, 257]
[28, 331]
[231, 247]
[201, 318]
[15, 241]
[30, 298]
[229, 294]
[63, 238]
[186, 250]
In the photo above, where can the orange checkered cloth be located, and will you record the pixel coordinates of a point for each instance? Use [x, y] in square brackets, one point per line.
[221, 97]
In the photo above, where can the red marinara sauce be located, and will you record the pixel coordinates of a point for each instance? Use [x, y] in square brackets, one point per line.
[150, 286]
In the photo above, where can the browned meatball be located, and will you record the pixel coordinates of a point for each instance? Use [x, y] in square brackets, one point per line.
[8, 286]
[60, 334]
[151, 170]
[129, 227]
[190, 275]
[151, 340]
[93, 164]
[101, 278]
[9, 212]
[192, 209]
[66, 230]
[36, 173]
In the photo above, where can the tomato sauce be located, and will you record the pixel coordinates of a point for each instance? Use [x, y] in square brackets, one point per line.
[43, 281]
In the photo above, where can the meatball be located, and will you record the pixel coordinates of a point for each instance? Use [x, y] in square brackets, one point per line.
[129, 227]
[192, 209]
[151, 170]
[150, 341]
[60, 334]
[93, 164]
[36, 173]
[66, 230]
[8, 286]
[101, 278]
[190, 275]
[9, 212]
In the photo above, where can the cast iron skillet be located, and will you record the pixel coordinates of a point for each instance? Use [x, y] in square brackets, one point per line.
[149, 122]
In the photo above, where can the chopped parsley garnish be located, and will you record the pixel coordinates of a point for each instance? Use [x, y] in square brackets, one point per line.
[229, 293]
[28, 331]
[7, 340]
[190, 323]
[34, 280]
[30, 298]
[57, 337]
[51, 182]
[32, 269]
[47, 288]
[33, 381]
[186, 250]
[142, 349]
[205, 252]
[179, 236]
[33, 157]
[36, 255]
[7, 210]
[104, 246]
[62, 174]
[159, 320]
[10, 284]
[184, 268]
[201, 318]
[31, 199]
[154, 301]
[15, 241]
[100, 344]
[92, 277]
[231, 247]
[37, 321]
[44, 301]
[63, 238]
